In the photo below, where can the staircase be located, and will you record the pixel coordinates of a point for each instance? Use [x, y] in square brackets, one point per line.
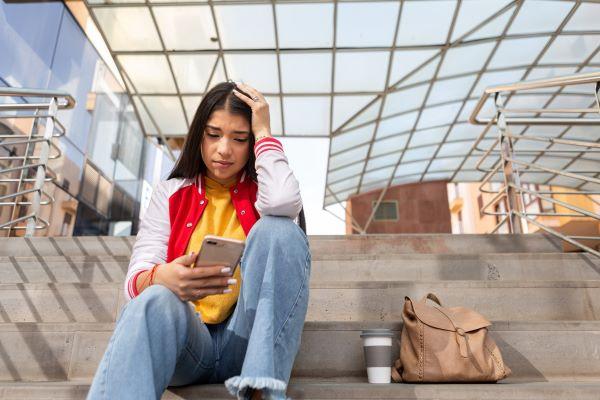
[59, 298]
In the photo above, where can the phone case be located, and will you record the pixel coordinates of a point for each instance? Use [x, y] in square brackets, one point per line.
[218, 250]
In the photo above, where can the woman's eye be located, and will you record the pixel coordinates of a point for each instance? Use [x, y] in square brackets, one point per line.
[242, 140]
[212, 135]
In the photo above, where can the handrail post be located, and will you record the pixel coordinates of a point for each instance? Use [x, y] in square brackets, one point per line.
[509, 170]
[41, 169]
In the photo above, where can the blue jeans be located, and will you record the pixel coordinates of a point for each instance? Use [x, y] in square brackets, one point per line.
[160, 341]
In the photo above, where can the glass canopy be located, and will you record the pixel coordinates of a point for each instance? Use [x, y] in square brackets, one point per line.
[392, 83]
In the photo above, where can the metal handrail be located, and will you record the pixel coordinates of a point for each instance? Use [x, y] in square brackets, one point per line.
[31, 105]
[506, 164]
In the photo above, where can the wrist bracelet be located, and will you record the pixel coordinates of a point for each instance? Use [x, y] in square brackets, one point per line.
[258, 138]
[152, 274]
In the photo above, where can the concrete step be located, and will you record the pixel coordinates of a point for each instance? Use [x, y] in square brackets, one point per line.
[329, 301]
[356, 244]
[535, 351]
[345, 388]
[336, 267]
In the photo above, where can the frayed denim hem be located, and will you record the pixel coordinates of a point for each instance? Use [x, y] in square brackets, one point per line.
[273, 389]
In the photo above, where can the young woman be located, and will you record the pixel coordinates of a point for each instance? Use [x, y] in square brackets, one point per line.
[208, 325]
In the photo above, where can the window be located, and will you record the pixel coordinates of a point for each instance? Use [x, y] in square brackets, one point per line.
[387, 211]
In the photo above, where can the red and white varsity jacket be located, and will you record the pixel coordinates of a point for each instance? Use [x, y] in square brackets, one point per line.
[177, 204]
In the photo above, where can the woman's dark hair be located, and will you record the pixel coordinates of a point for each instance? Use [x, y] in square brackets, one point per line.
[190, 163]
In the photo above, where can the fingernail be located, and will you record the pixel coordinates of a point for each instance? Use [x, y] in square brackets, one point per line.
[227, 291]
[226, 270]
[232, 281]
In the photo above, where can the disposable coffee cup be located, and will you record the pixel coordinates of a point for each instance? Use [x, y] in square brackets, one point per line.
[377, 345]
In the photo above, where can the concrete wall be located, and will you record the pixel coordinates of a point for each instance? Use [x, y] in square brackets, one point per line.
[422, 208]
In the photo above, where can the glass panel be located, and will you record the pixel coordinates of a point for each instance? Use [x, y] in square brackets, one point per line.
[404, 100]
[275, 111]
[550, 72]
[454, 149]
[580, 133]
[341, 196]
[434, 116]
[444, 164]
[148, 80]
[487, 111]
[513, 52]
[421, 153]
[519, 100]
[345, 107]
[565, 181]
[247, 26]
[373, 185]
[435, 176]
[585, 18]
[494, 27]
[536, 177]
[346, 172]
[406, 179]
[345, 185]
[258, 70]
[585, 165]
[348, 157]
[219, 75]
[378, 175]
[428, 136]
[472, 13]
[389, 145]
[366, 24]
[305, 25]
[167, 113]
[369, 114]
[425, 22]
[360, 71]
[186, 27]
[352, 138]
[401, 123]
[571, 49]
[423, 75]
[193, 71]
[539, 16]
[190, 104]
[383, 161]
[459, 60]
[555, 162]
[149, 127]
[405, 62]
[296, 110]
[465, 131]
[468, 176]
[411, 168]
[497, 78]
[128, 28]
[450, 89]
[569, 101]
[306, 72]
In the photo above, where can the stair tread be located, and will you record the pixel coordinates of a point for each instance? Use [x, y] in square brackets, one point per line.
[344, 388]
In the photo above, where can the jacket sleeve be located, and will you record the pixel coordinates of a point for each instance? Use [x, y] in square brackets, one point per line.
[278, 190]
[152, 240]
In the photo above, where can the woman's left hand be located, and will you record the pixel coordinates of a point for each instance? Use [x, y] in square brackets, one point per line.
[261, 121]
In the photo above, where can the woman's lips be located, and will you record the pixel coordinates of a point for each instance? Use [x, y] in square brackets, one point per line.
[223, 165]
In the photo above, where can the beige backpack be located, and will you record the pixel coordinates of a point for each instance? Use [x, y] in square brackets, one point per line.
[446, 345]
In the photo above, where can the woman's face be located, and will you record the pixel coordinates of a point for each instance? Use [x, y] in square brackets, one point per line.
[225, 145]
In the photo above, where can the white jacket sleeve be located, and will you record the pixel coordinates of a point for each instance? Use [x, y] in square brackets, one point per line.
[152, 240]
[278, 190]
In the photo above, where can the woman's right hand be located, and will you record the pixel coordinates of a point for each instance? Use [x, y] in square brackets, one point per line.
[191, 284]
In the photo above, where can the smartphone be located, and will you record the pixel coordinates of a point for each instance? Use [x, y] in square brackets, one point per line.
[218, 250]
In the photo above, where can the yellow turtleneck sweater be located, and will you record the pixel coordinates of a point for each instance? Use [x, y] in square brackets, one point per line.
[219, 218]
